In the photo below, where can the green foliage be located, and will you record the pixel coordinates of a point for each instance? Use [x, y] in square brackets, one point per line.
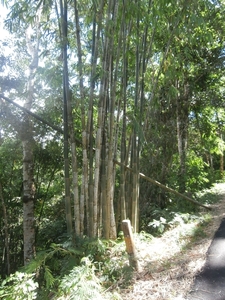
[81, 283]
[49, 264]
[80, 273]
[11, 182]
[94, 248]
[151, 217]
[84, 272]
[172, 219]
[19, 286]
[197, 173]
[209, 196]
[197, 230]
[158, 225]
[109, 259]
[115, 270]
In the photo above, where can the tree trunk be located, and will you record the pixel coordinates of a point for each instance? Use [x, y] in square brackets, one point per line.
[97, 26]
[79, 211]
[182, 136]
[6, 227]
[28, 201]
[66, 95]
[135, 152]
[77, 214]
[97, 168]
[27, 143]
[221, 165]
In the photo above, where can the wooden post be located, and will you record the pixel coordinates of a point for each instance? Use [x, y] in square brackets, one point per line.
[130, 247]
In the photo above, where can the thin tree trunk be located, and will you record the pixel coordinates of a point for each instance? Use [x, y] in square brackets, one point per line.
[97, 166]
[63, 13]
[128, 179]
[105, 213]
[221, 156]
[135, 181]
[123, 138]
[182, 136]
[111, 119]
[135, 154]
[6, 229]
[221, 147]
[74, 167]
[221, 165]
[90, 202]
[84, 190]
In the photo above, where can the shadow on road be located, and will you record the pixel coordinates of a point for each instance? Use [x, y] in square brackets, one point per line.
[209, 284]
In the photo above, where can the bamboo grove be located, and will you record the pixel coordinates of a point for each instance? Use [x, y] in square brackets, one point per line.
[127, 83]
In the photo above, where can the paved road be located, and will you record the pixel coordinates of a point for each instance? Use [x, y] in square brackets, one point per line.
[210, 283]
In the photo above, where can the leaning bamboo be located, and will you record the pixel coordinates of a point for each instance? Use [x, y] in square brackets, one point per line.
[164, 187]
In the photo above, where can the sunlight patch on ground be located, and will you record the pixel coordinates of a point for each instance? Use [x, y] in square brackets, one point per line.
[219, 257]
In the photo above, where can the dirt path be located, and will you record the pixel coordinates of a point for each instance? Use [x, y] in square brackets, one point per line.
[170, 263]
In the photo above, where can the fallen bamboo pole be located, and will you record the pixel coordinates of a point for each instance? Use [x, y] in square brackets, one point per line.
[163, 186]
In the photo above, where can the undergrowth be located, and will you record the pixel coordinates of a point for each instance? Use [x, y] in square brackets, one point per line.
[96, 268]
[63, 272]
[164, 219]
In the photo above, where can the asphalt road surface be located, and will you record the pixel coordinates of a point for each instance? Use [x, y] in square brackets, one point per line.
[209, 284]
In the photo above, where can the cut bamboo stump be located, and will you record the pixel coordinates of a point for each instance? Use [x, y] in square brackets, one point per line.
[130, 247]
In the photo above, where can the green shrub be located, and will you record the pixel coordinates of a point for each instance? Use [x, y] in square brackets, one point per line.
[81, 283]
[19, 286]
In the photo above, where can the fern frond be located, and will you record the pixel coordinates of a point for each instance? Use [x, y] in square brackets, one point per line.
[49, 279]
[37, 262]
[81, 283]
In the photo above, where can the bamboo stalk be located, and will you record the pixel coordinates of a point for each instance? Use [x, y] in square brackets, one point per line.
[164, 187]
